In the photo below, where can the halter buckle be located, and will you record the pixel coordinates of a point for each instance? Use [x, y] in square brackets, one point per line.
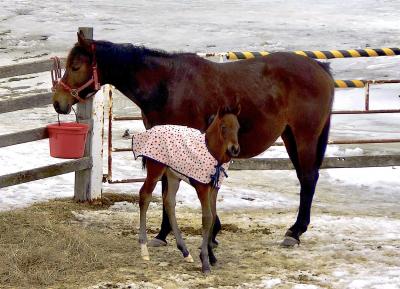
[74, 92]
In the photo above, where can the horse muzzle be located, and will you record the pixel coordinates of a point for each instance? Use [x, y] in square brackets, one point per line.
[234, 150]
[61, 110]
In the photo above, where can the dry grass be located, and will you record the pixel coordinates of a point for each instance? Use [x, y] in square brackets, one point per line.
[39, 246]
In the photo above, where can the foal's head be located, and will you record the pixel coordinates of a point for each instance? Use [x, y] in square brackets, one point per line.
[222, 135]
[79, 80]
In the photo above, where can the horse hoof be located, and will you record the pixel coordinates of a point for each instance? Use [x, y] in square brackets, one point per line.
[157, 243]
[290, 242]
[213, 261]
[189, 259]
[206, 271]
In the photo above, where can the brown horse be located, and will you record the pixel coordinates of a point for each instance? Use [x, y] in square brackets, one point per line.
[221, 140]
[281, 94]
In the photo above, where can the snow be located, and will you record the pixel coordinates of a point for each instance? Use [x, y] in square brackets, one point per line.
[304, 286]
[209, 26]
[270, 283]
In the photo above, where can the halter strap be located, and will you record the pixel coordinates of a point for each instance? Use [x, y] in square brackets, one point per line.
[57, 79]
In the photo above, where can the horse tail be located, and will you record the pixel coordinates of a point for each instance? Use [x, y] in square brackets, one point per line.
[325, 66]
[323, 142]
[143, 163]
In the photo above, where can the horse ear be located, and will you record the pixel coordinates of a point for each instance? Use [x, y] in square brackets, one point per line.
[83, 42]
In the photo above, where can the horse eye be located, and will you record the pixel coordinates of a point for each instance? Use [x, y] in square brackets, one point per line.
[76, 68]
[223, 128]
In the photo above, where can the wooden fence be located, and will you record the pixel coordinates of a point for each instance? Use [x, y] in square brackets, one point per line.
[88, 170]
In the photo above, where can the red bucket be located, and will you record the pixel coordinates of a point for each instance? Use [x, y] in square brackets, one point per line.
[67, 140]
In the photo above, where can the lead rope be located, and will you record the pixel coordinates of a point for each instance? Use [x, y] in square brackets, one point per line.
[56, 71]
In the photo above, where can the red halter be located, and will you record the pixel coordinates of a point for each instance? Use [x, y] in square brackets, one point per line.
[56, 77]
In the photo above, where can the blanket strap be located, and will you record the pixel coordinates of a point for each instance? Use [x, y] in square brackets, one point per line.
[215, 177]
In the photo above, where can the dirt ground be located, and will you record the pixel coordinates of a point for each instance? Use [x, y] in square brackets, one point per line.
[61, 244]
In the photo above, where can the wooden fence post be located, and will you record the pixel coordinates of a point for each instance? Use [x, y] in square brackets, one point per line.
[88, 183]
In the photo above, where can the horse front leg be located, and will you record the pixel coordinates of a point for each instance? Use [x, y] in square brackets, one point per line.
[216, 227]
[203, 192]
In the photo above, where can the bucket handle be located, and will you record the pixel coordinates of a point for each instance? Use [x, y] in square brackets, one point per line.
[76, 116]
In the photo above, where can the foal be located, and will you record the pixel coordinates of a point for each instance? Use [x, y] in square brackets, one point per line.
[221, 144]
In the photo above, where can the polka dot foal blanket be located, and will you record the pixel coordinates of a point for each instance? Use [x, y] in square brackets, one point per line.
[181, 148]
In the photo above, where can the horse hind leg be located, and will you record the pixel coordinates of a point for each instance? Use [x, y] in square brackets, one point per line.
[169, 201]
[306, 154]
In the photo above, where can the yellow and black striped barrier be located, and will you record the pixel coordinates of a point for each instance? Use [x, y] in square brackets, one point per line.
[362, 83]
[322, 54]
[349, 83]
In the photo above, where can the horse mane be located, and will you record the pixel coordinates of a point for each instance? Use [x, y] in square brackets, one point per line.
[228, 110]
[129, 54]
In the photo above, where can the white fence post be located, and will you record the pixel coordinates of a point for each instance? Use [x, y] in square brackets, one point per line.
[88, 183]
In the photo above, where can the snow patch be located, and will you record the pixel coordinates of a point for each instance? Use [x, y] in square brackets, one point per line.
[270, 283]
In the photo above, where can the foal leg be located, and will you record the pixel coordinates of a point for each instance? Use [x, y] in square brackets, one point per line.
[203, 192]
[212, 258]
[169, 201]
[154, 172]
[161, 238]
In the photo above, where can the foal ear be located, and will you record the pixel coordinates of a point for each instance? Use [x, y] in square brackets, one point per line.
[210, 120]
[237, 109]
[83, 42]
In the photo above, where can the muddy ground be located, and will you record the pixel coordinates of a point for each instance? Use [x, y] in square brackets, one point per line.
[61, 244]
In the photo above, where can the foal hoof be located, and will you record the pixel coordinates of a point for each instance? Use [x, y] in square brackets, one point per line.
[144, 252]
[188, 259]
[157, 243]
[289, 242]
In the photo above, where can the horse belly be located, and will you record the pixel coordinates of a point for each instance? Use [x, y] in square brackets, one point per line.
[179, 176]
[260, 137]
